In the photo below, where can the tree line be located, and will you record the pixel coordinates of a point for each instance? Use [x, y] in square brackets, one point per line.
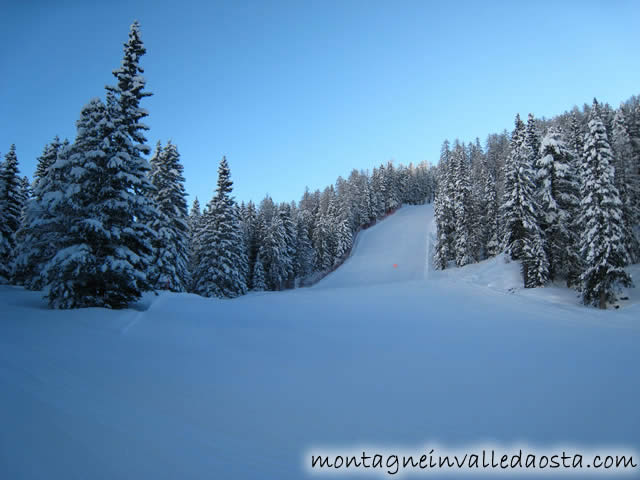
[561, 195]
[99, 224]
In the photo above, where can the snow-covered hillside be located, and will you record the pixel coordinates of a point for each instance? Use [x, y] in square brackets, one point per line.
[184, 387]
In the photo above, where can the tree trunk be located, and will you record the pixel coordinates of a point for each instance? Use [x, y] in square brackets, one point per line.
[603, 300]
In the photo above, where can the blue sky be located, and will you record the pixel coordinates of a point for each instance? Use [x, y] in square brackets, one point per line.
[297, 93]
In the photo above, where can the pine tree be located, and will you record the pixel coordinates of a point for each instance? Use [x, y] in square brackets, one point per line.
[576, 137]
[522, 236]
[344, 238]
[273, 253]
[602, 245]
[251, 240]
[222, 268]
[41, 229]
[108, 250]
[258, 280]
[128, 92]
[378, 192]
[320, 239]
[303, 263]
[463, 243]
[48, 157]
[171, 248]
[535, 266]
[558, 191]
[357, 200]
[10, 212]
[477, 209]
[25, 194]
[444, 211]
[367, 203]
[489, 220]
[516, 178]
[486, 225]
[391, 188]
[290, 240]
[633, 128]
[627, 181]
[532, 137]
[66, 215]
[195, 226]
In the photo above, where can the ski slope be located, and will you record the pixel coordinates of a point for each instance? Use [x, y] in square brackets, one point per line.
[394, 250]
[184, 387]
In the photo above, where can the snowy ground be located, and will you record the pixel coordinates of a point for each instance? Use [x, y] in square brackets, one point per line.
[184, 387]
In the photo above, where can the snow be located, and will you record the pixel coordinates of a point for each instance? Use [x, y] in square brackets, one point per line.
[399, 240]
[181, 386]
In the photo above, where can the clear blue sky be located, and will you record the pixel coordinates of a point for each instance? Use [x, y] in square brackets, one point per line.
[297, 93]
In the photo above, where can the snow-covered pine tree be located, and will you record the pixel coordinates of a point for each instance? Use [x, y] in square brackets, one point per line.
[10, 212]
[632, 117]
[170, 267]
[627, 182]
[320, 234]
[602, 246]
[633, 128]
[252, 242]
[258, 277]
[407, 178]
[367, 202]
[48, 157]
[391, 188]
[25, 194]
[222, 268]
[65, 221]
[485, 224]
[558, 191]
[532, 137]
[41, 228]
[513, 208]
[428, 184]
[194, 213]
[378, 192]
[478, 171]
[290, 233]
[535, 266]
[463, 209]
[128, 92]
[444, 211]
[497, 153]
[109, 249]
[490, 217]
[606, 116]
[195, 224]
[289, 211]
[343, 234]
[303, 263]
[266, 210]
[324, 235]
[522, 236]
[273, 253]
[1, 181]
[68, 216]
[332, 219]
[576, 138]
[353, 199]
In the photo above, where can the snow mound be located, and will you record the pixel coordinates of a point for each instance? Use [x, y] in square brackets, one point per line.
[500, 274]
